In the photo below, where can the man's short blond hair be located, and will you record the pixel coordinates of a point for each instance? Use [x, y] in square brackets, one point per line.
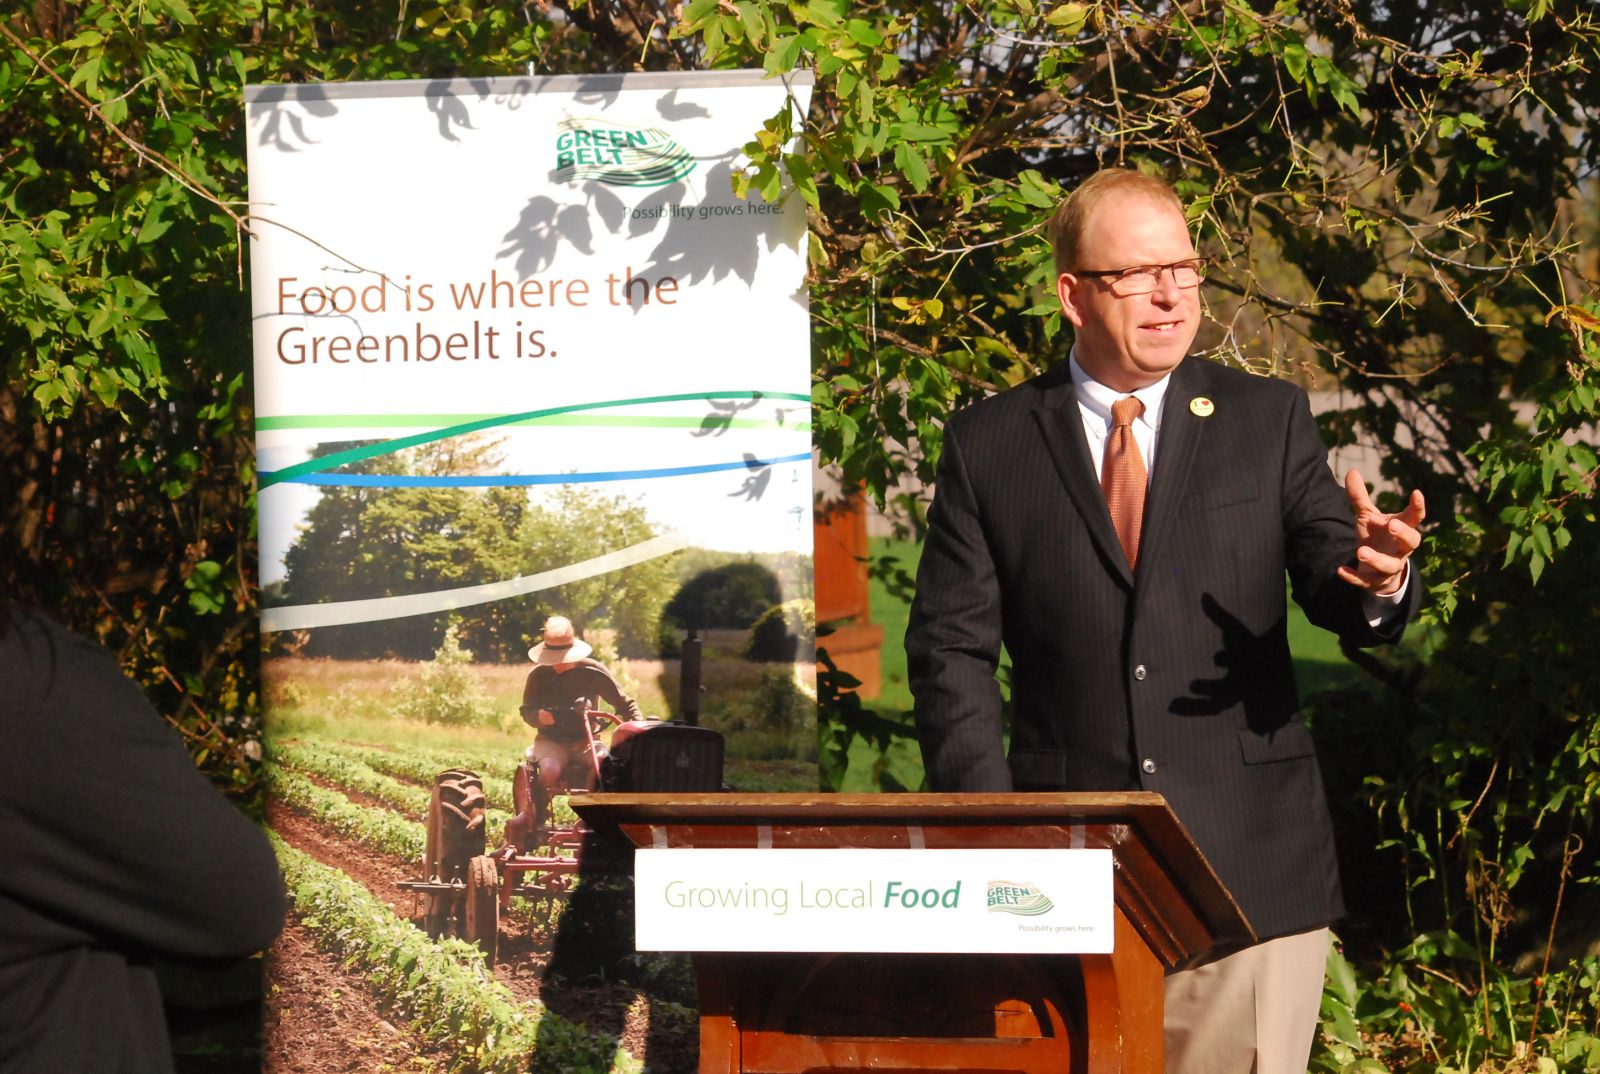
[1072, 215]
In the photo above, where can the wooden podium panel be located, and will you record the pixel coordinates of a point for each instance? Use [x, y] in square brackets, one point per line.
[823, 1012]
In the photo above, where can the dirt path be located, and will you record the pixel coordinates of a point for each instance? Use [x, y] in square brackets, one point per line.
[321, 1019]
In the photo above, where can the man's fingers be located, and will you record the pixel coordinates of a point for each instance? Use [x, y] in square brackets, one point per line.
[1381, 564]
[1416, 510]
[1355, 487]
[1357, 579]
[1406, 534]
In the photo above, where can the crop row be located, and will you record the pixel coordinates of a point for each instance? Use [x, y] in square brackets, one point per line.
[441, 986]
[421, 766]
[372, 828]
[416, 766]
[350, 773]
[384, 832]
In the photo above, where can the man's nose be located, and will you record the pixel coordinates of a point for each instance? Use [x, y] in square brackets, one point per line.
[1167, 291]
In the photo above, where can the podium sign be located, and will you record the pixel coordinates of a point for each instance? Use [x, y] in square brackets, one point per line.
[874, 901]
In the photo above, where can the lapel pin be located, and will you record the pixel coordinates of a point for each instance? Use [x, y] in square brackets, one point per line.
[1201, 407]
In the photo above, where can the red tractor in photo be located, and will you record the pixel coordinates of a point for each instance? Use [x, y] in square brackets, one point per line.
[467, 886]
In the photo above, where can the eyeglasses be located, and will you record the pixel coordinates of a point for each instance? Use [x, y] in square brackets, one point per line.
[1143, 279]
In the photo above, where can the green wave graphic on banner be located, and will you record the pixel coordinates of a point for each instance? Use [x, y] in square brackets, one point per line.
[400, 443]
[608, 152]
[584, 421]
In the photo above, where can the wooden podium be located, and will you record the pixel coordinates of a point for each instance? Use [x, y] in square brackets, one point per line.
[816, 1013]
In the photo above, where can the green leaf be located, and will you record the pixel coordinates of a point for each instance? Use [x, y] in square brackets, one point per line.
[877, 199]
[1294, 61]
[87, 75]
[1342, 978]
[862, 33]
[1068, 18]
[825, 13]
[1541, 540]
[913, 165]
[1344, 92]
[152, 229]
[785, 55]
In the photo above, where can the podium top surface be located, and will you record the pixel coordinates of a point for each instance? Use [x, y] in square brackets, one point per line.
[1163, 883]
[924, 808]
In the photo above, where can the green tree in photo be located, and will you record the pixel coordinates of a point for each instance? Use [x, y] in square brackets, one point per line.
[575, 524]
[359, 543]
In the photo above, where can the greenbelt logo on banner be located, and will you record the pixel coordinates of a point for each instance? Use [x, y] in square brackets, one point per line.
[607, 152]
[1020, 898]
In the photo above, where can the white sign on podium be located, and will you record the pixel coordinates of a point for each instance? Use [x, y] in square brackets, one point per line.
[856, 900]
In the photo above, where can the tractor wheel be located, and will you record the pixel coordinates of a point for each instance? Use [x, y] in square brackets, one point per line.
[482, 925]
[455, 832]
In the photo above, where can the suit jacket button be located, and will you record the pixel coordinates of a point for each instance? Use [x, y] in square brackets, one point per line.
[1139, 673]
[1149, 767]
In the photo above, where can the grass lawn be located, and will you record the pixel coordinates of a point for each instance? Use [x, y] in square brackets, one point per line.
[1318, 664]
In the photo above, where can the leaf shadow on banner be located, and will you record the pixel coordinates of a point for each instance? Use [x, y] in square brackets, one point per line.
[449, 108]
[674, 111]
[545, 226]
[286, 128]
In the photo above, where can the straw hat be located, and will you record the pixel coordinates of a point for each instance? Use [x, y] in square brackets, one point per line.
[559, 646]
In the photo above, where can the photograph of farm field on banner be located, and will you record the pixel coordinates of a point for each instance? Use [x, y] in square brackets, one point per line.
[363, 718]
[535, 519]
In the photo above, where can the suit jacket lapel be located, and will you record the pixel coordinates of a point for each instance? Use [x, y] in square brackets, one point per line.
[1061, 424]
[1181, 431]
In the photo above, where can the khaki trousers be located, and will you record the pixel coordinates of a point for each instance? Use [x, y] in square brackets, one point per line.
[1252, 1012]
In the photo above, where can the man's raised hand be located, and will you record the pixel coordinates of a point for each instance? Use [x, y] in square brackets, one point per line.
[1385, 542]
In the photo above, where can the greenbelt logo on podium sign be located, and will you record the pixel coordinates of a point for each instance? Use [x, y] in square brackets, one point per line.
[603, 151]
[1018, 897]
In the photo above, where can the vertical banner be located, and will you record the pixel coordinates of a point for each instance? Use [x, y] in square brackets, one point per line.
[520, 353]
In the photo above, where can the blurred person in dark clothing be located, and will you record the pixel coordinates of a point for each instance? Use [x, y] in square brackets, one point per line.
[115, 854]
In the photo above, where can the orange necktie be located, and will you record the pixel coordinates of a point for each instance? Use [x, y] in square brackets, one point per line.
[1122, 477]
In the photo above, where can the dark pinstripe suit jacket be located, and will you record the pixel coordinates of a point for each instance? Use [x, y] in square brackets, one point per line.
[1178, 680]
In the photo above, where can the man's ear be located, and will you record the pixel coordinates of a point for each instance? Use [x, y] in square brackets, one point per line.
[1069, 290]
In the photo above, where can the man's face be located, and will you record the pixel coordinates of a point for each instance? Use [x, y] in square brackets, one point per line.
[1130, 342]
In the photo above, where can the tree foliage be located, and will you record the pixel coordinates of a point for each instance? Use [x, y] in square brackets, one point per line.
[730, 596]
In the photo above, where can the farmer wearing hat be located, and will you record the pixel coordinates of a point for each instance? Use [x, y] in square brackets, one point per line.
[563, 684]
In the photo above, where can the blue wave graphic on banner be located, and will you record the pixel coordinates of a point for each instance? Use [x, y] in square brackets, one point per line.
[395, 481]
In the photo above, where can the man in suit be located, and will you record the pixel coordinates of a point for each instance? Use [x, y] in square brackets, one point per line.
[1123, 525]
